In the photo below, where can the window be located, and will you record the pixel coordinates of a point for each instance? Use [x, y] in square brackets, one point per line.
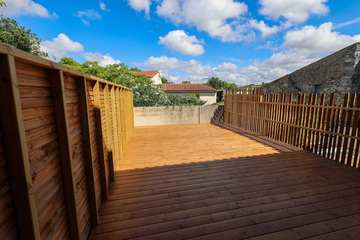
[318, 89]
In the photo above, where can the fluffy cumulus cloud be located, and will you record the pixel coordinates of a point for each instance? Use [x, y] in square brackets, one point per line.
[294, 11]
[25, 7]
[308, 45]
[217, 18]
[103, 60]
[140, 5]
[301, 47]
[179, 41]
[263, 28]
[60, 46]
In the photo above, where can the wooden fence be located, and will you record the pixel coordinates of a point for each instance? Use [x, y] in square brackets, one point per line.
[307, 122]
[62, 134]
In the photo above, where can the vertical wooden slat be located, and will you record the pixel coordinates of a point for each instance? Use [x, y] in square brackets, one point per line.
[100, 140]
[329, 123]
[348, 127]
[334, 128]
[119, 121]
[114, 127]
[65, 152]
[342, 125]
[320, 124]
[301, 121]
[354, 132]
[109, 134]
[13, 130]
[312, 120]
[85, 125]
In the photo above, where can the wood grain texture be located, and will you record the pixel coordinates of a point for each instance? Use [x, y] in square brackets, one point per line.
[214, 182]
[309, 123]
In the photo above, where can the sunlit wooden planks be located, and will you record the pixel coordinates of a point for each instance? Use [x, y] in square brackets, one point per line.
[16, 152]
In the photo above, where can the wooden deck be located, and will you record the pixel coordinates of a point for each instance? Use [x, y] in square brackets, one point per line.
[207, 182]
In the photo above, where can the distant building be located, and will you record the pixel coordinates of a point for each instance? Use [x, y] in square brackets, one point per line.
[154, 75]
[337, 73]
[204, 92]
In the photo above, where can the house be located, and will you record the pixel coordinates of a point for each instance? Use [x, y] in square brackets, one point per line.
[154, 75]
[337, 73]
[204, 92]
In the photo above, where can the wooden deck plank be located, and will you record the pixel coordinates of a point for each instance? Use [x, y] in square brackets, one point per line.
[208, 182]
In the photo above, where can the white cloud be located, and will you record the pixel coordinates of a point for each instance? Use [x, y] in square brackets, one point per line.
[294, 11]
[179, 41]
[300, 48]
[217, 18]
[140, 5]
[169, 9]
[85, 22]
[263, 28]
[103, 60]
[347, 23]
[308, 45]
[91, 14]
[103, 6]
[25, 7]
[60, 46]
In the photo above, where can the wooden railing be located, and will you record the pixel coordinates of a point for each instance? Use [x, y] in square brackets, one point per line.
[309, 122]
[62, 134]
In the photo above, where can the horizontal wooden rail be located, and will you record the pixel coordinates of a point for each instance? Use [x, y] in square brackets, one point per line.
[323, 128]
[61, 134]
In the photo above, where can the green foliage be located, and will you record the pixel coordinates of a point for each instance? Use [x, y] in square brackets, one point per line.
[14, 35]
[218, 84]
[164, 80]
[2, 3]
[251, 86]
[190, 100]
[185, 82]
[135, 69]
[145, 92]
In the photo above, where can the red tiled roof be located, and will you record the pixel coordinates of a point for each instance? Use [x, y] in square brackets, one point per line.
[190, 87]
[149, 74]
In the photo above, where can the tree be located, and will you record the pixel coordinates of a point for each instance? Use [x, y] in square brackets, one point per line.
[12, 34]
[164, 80]
[2, 3]
[218, 84]
[144, 91]
[135, 69]
[185, 82]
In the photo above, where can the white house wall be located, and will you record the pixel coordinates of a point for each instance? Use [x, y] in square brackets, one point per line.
[156, 79]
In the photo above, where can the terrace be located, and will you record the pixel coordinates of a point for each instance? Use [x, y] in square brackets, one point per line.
[73, 167]
[213, 182]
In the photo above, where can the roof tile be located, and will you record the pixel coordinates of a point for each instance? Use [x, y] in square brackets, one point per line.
[190, 87]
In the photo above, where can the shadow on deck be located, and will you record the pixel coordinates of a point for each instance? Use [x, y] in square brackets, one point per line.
[207, 182]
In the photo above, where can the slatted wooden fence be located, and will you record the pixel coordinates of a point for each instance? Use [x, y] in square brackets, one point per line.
[307, 122]
[62, 134]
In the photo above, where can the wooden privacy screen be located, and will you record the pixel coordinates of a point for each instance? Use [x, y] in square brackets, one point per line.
[62, 134]
[309, 122]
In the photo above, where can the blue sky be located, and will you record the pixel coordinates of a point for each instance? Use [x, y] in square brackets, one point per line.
[238, 41]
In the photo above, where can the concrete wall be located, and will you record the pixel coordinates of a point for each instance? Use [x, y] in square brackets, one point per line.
[337, 73]
[150, 116]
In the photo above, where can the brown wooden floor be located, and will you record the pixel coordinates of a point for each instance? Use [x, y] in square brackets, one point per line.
[206, 182]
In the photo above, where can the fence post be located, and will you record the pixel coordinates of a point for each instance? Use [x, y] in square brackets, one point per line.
[99, 134]
[13, 131]
[85, 125]
[57, 82]
[109, 134]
